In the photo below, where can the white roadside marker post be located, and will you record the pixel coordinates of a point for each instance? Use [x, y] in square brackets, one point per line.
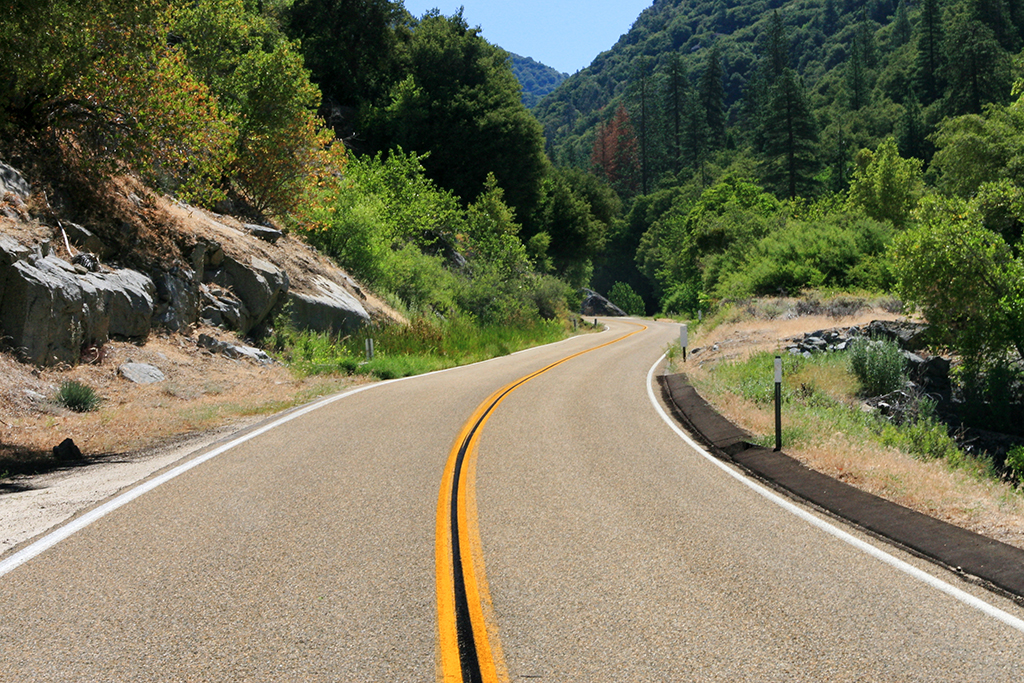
[684, 334]
[369, 348]
[778, 403]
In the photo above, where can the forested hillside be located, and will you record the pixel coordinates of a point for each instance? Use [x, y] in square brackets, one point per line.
[537, 79]
[718, 151]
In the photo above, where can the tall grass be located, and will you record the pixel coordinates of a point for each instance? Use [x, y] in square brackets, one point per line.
[427, 344]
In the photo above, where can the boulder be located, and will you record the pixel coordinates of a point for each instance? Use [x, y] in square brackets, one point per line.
[12, 181]
[141, 373]
[329, 308]
[260, 285]
[264, 233]
[595, 304]
[177, 298]
[49, 311]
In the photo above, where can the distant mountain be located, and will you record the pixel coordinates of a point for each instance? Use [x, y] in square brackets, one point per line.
[537, 79]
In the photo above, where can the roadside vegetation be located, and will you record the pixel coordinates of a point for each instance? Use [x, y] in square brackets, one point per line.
[912, 458]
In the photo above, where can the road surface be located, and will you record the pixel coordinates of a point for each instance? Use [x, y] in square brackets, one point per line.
[599, 546]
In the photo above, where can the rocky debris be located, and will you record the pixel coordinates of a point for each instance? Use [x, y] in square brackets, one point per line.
[221, 308]
[49, 311]
[329, 308]
[595, 304]
[67, 451]
[264, 233]
[86, 240]
[910, 336]
[141, 373]
[233, 350]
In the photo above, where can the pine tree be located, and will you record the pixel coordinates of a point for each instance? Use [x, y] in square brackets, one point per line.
[790, 151]
[677, 89]
[616, 156]
[910, 130]
[901, 28]
[856, 73]
[930, 58]
[981, 71]
[712, 96]
[776, 50]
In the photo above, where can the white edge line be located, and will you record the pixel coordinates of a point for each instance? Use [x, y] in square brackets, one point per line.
[831, 529]
[54, 537]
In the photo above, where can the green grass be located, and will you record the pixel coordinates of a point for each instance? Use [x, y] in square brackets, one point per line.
[78, 397]
[819, 397]
[425, 345]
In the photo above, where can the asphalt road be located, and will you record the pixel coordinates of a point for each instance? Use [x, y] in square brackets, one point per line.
[613, 551]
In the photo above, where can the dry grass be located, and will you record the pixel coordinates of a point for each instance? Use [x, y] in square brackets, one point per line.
[202, 391]
[994, 509]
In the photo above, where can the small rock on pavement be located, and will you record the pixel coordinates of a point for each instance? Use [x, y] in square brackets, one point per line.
[141, 373]
[67, 451]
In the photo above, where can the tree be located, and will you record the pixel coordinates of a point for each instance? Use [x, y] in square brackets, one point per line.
[677, 90]
[910, 129]
[259, 79]
[616, 154]
[712, 96]
[856, 72]
[790, 152]
[885, 185]
[461, 103]
[623, 296]
[981, 71]
[901, 26]
[576, 213]
[930, 55]
[964, 278]
[99, 83]
[353, 50]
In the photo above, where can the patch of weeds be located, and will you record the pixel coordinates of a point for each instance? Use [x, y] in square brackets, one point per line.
[844, 306]
[878, 364]
[81, 398]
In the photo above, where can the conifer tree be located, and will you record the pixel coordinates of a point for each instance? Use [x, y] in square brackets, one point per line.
[930, 57]
[980, 73]
[677, 88]
[790, 151]
[901, 28]
[910, 130]
[712, 96]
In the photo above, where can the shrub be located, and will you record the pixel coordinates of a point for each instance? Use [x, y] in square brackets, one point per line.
[77, 397]
[623, 296]
[1015, 462]
[879, 365]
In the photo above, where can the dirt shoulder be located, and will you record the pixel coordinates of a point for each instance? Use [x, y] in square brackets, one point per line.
[137, 430]
[991, 508]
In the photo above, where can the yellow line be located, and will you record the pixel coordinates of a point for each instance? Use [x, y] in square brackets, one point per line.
[488, 646]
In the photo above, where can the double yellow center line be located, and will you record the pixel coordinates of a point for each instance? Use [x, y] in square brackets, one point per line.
[469, 647]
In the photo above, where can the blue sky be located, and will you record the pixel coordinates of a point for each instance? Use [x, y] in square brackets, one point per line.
[564, 35]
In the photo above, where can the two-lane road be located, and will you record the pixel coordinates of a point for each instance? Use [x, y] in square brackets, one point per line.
[603, 548]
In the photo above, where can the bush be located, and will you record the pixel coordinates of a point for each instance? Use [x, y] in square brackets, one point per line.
[77, 397]
[879, 365]
[1015, 462]
[623, 296]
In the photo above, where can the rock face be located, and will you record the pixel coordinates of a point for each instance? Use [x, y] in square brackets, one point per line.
[330, 308]
[50, 311]
[595, 304]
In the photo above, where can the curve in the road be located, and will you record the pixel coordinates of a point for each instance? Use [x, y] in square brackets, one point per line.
[470, 651]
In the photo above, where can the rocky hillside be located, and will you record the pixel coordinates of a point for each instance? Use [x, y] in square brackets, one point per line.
[119, 261]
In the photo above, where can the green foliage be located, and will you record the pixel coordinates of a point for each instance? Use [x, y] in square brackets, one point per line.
[459, 101]
[878, 364]
[99, 81]
[78, 397]
[537, 79]
[1015, 462]
[975, 149]
[844, 251]
[623, 296]
[885, 185]
[259, 80]
[428, 343]
[964, 278]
